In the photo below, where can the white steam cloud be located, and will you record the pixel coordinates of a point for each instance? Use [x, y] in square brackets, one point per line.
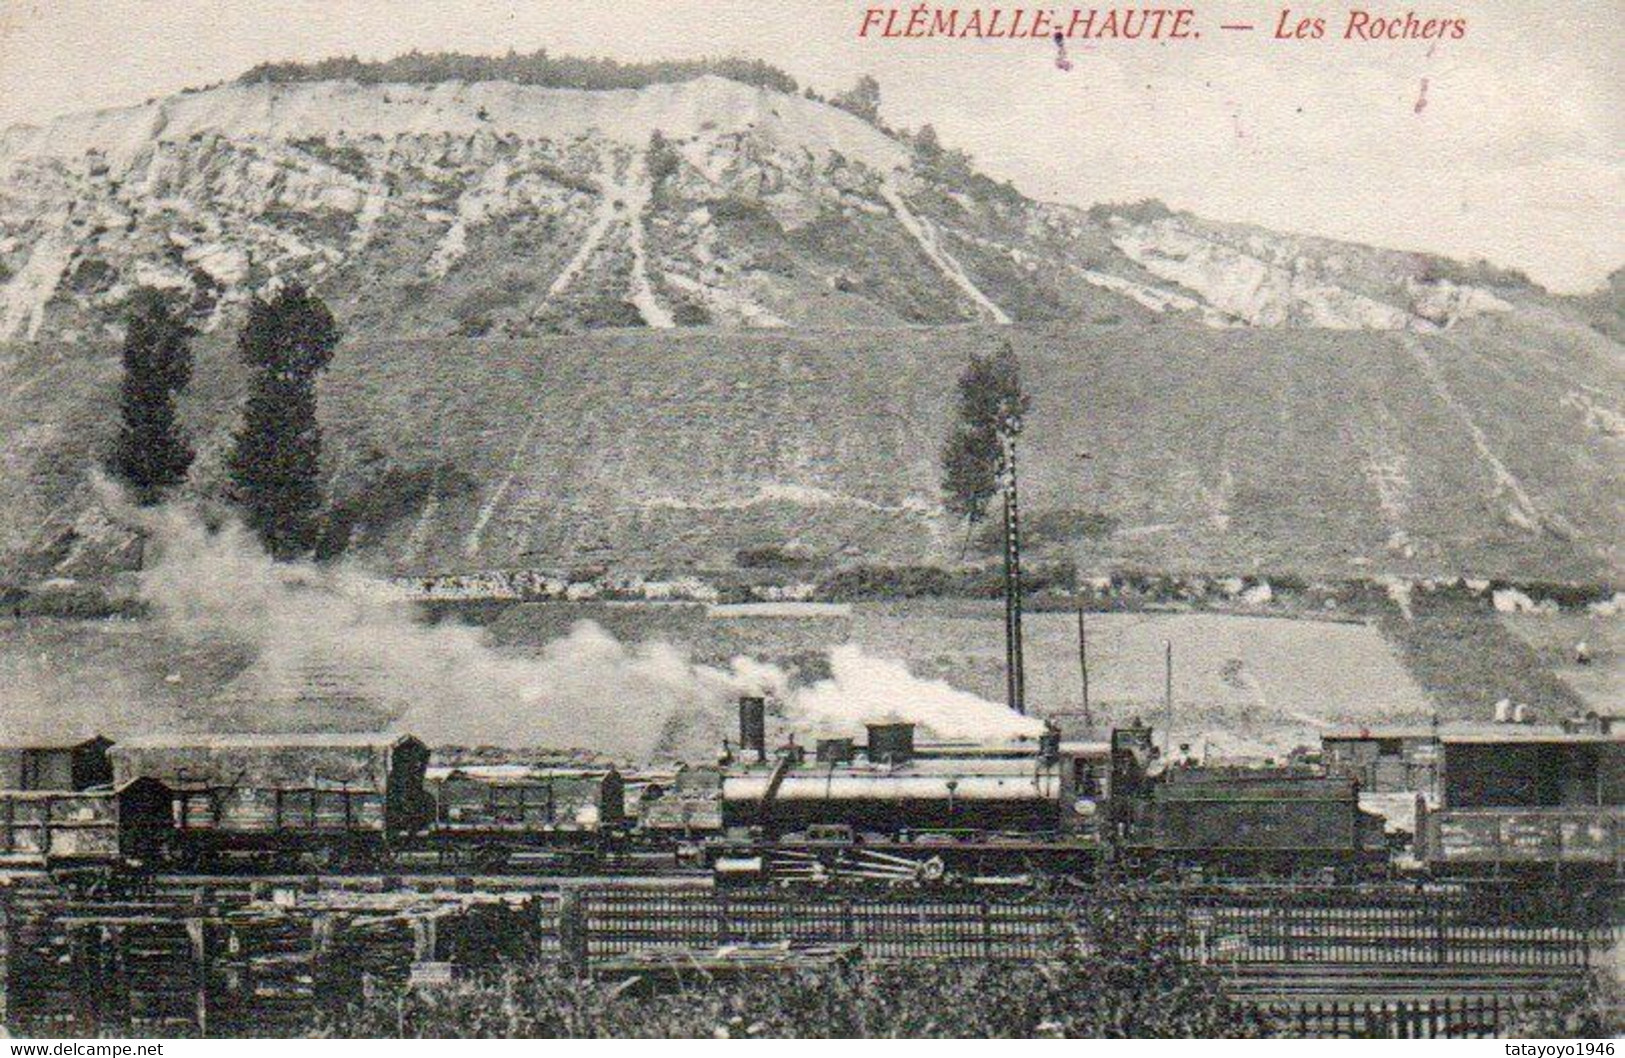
[326, 639]
[863, 688]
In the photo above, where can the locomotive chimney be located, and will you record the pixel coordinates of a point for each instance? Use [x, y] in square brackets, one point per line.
[753, 726]
[891, 742]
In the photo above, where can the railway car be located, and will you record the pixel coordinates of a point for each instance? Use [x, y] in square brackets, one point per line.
[130, 825]
[59, 764]
[1521, 802]
[683, 808]
[488, 812]
[331, 797]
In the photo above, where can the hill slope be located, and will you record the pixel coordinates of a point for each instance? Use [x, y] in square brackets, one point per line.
[1321, 451]
[655, 327]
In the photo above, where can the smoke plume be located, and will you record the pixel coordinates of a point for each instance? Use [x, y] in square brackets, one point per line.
[337, 646]
[863, 689]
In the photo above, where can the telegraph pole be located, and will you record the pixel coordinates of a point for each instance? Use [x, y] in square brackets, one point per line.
[1083, 666]
[1168, 695]
[1015, 677]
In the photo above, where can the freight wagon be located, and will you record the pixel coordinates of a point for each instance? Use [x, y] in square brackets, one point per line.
[337, 797]
[487, 812]
[68, 828]
[1517, 802]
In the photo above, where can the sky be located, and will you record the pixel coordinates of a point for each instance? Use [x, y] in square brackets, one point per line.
[1510, 152]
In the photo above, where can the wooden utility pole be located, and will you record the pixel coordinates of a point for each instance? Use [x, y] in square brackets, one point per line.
[1083, 667]
[1168, 696]
[1015, 677]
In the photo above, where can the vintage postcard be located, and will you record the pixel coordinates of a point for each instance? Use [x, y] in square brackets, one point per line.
[812, 518]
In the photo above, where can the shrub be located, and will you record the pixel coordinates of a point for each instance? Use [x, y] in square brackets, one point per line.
[606, 310]
[772, 557]
[1591, 1008]
[343, 157]
[1064, 526]
[897, 582]
[1118, 976]
[663, 159]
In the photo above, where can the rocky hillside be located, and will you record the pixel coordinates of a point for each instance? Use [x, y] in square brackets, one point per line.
[668, 326]
[513, 210]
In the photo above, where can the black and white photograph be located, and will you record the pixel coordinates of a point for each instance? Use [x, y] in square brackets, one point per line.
[763, 519]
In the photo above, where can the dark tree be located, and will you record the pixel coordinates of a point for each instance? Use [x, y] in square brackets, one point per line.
[862, 99]
[663, 159]
[275, 462]
[990, 402]
[927, 143]
[151, 453]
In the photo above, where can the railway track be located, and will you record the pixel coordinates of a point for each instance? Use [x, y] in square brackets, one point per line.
[1295, 983]
[428, 881]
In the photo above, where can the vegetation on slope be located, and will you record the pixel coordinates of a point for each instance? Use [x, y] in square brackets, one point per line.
[1211, 452]
[532, 68]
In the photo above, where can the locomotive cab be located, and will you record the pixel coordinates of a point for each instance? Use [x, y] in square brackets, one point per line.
[1086, 787]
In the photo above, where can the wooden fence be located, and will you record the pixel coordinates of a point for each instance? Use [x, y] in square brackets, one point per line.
[1425, 1019]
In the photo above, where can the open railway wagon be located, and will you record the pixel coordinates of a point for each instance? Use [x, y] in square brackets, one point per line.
[320, 800]
[1520, 803]
[130, 825]
[60, 808]
[489, 814]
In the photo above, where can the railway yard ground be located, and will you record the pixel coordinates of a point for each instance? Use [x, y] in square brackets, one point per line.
[196, 955]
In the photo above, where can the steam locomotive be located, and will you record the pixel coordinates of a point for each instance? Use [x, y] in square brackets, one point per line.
[896, 811]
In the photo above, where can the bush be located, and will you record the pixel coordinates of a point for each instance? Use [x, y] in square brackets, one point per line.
[663, 159]
[343, 157]
[1117, 977]
[895, 582]
[79, 602]
[772, 557]
[1591, 1008]
[606, 310]
[1064, 526]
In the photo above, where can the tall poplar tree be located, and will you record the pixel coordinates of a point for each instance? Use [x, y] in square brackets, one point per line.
[275, 462]
[151, 454]
[990, 402]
